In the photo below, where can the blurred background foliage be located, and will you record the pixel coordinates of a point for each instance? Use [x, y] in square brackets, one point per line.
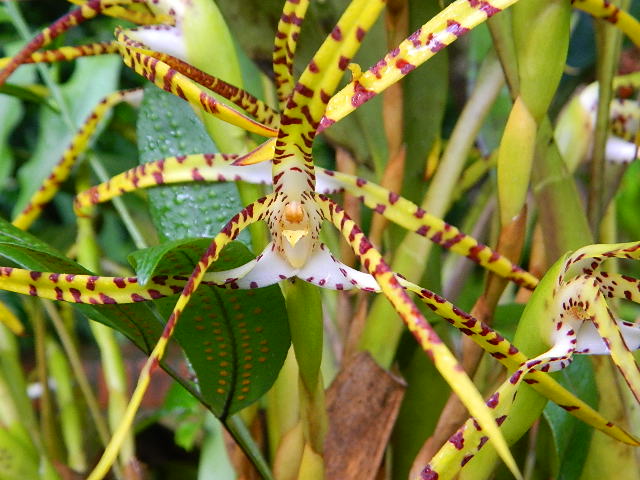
[405, 131]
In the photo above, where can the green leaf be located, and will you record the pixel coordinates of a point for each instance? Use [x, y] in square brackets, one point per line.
[230, 337]
[425, 99]
[167, 126]
[11, 111]
[147, 261]
[417, 418]
[92, 79]
[236, 340]
[19, 459]
[4, 17]
[215, 317]
[136, 321]
[27, 94]
[304, 308]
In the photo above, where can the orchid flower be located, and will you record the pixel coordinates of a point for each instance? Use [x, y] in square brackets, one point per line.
[569, 312]
[294, 211]
[579, 117]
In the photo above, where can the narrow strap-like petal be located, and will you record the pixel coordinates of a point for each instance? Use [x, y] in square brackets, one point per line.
[70, 156]
[284, 47]
[136, 40]
[427, 338]
[90, 289]
[293, 170]
[67, 53]
[85, 12]
[174, 82]
[246, 217]
[206, 167]
[441, 30]
[408, 215]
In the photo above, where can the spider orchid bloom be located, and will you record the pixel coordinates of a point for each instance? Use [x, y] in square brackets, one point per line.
[570, 311]
[296, 207]
[576, 123]
[294, 210]
[582, 320]
[578, 320]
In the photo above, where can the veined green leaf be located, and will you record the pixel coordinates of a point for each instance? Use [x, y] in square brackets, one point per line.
[168, 126]
[236, 340]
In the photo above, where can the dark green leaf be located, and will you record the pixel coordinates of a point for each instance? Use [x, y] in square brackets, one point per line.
[236, 340]
[167, 126]
[135, 321]
[425, 93]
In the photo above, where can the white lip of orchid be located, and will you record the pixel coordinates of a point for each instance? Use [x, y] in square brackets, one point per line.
[618, 150]
[320, 268]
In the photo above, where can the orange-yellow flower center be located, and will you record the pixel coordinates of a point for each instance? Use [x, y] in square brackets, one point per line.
[293, 212]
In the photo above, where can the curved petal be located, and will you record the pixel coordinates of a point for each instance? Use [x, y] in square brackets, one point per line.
[167, 78]
[89, 289]
[324, 270]
[612, 336]
[87, 11]
[250, 214]
[266, 269]
[444, 360]
[284, 47]
[199, 167]
[463, 445]
[75, 150]
[410, 216]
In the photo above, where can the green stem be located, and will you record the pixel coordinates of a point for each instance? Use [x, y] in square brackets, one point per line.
[304, 309]
[608, 41]
[75, 361]
[110, 354]
[47, 423]
[239, 430]
[14, 377]
[120, 207]
[12, 406]
[283, 405]
[563, 228]
[15, 439]
[69, 412]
